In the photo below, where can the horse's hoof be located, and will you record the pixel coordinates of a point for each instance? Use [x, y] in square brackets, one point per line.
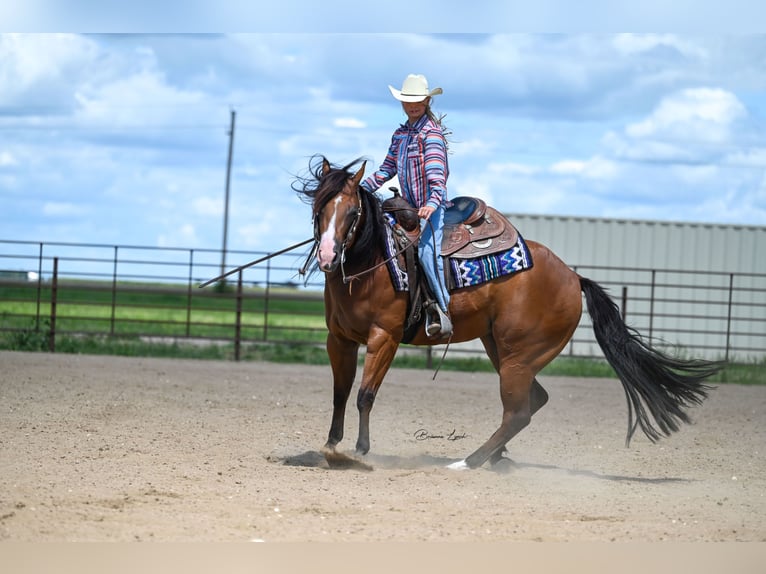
[459, 465]
[338, 460]
[503, 465]
[501, 460]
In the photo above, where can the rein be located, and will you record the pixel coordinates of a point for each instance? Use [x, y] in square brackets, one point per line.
[349, 278]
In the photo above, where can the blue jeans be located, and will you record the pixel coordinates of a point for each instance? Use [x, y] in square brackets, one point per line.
[431, 236]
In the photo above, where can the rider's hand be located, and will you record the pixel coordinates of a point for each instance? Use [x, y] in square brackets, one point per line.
[425, 212]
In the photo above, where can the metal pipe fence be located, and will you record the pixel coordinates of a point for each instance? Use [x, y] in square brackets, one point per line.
[150, 293]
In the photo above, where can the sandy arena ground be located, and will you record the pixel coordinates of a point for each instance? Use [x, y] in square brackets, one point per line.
[124, 449]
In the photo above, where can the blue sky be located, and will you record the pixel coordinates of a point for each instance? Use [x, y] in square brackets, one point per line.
[123, 139]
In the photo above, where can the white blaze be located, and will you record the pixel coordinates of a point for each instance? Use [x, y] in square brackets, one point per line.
[326, 252]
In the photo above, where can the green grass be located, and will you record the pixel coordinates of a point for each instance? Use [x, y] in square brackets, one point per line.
[294, 353]
[293, 330]
[163, 312]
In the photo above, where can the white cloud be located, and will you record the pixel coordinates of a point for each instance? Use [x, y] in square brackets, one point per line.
[511, 168]
[184, 235]
[700, 114]
[579, 124]
[696, 174]
[40, 68]
[7, 159]
[649, 150]
[142, 99]
[474, 147]
[208, 206]
[62, 209]
[594, 168]
[349, 123]
[693, 125]
[465, 184]
[568, 167]
[630, 44]
[747, 158]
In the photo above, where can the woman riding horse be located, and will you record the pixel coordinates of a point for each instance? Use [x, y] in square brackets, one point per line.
[523, 320]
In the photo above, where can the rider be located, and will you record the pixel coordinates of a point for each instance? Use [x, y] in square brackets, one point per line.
[418, 154]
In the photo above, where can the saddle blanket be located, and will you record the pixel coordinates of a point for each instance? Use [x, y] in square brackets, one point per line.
[464, 273]
[469, 272]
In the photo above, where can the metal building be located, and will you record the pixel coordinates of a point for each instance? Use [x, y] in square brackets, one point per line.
[649, 244]
[698, 287]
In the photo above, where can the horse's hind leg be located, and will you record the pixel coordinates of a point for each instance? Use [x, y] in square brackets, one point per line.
[343, 359]
[520, 393]
[515, 384]
[538, 396]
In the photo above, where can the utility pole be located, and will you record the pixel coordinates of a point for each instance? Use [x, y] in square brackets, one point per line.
[226, 200]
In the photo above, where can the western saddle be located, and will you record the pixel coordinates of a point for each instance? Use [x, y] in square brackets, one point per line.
[471, 229]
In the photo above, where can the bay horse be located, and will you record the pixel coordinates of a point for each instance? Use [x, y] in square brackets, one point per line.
[523, 321]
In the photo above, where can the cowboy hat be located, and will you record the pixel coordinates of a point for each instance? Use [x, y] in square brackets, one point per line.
[414, 89]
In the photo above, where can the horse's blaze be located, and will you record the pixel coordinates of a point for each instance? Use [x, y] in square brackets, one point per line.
[326, 254]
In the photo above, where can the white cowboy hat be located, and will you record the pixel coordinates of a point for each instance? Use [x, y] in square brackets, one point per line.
[414, 89]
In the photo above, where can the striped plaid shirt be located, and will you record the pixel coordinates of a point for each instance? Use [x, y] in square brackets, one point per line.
[418, 154]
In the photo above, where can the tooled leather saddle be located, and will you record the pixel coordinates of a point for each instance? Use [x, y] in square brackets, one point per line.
[472, 229]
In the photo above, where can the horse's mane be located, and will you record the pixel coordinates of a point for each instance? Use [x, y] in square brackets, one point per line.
[317, 190]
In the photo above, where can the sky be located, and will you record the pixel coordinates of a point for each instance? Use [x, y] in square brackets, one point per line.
[122, 138]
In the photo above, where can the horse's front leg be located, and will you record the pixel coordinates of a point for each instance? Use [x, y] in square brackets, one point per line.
[343, 358]
[381, 348]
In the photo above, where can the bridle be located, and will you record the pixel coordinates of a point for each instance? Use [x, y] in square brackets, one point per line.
[348, 241]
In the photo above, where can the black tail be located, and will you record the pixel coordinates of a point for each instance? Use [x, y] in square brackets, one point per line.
[651, 379]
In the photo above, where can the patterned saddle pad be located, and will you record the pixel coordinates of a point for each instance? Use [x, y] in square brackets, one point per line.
[474, 257]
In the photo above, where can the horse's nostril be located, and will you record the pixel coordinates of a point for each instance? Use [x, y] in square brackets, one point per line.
[325, 257]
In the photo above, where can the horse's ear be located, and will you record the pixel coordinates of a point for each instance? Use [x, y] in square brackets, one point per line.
[325, 167]
[359, 174]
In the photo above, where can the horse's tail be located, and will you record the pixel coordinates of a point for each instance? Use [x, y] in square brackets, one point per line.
[652, 380]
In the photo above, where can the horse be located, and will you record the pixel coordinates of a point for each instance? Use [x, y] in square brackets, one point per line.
[523, 321]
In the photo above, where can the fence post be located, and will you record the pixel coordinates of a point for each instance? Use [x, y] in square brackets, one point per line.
[624, 302]
[114, 292]
[728, 315]
[571, 339]
[189, 293]
[651, 304]
[266, 302]
[39, 287]
[238, 319]
[54, 298]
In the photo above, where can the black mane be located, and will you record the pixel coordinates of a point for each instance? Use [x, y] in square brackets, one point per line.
[317, 190]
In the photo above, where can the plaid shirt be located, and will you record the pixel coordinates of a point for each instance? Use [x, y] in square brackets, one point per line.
[418, 154]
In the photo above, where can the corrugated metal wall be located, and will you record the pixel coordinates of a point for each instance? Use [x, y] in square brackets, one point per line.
[724, 298]
[649, 244]
[695, 289]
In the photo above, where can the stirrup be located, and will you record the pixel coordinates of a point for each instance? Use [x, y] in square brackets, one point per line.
[438, 323]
